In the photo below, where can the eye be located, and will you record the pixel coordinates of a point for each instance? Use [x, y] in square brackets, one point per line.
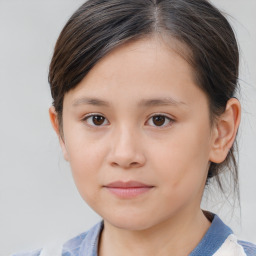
[95, 120]
[159, 120]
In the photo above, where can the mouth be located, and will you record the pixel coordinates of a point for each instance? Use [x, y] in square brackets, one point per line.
[128, 189]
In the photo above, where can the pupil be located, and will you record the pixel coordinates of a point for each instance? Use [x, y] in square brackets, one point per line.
[158, 120]
[98, 120]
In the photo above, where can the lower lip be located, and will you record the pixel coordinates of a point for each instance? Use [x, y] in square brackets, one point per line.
[129, 192]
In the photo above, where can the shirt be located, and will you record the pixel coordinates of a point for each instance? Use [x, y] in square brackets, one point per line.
[219, 240]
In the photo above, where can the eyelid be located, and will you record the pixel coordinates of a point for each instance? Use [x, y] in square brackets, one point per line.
[167, 116]
[87, 116]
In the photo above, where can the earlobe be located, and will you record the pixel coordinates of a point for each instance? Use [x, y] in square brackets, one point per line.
[225, 131]
[55, 125]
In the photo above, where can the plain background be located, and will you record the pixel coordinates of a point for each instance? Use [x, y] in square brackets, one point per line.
[38, 199]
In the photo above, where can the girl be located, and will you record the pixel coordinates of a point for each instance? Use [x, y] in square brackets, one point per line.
[145, 110]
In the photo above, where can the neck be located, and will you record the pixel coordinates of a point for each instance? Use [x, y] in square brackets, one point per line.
[176, 236]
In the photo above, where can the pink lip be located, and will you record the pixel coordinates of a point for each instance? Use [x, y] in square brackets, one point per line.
[128, 189]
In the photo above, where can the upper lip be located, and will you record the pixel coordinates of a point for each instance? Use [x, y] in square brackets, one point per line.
[127, 184]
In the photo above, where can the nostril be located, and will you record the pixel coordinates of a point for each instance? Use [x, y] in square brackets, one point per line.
[114, 164]
[129, 165]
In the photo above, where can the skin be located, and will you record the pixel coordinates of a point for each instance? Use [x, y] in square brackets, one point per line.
[172, 157]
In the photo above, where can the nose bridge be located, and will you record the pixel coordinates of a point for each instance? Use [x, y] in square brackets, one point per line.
[126, 148]
[127, 139]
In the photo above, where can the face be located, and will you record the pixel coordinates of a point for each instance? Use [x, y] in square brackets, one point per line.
[137, 135]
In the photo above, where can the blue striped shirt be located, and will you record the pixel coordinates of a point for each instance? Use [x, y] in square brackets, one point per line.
[86, 244]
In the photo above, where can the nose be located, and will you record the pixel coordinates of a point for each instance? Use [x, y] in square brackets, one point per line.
[127, 150]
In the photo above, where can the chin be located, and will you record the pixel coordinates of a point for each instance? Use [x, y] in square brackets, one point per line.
[130, 222]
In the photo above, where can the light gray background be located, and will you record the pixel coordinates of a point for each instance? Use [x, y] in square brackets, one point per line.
[38, 200]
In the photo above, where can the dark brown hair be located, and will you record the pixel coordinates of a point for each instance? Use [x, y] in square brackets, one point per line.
[99, 26]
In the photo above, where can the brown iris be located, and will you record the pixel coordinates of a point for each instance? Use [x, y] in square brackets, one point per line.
[98, 120]
[158, 120]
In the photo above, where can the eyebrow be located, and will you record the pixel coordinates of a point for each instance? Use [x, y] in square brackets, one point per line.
[166, 101]
[90, 101]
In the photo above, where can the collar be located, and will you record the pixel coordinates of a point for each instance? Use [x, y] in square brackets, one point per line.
[210, 243]
[213, 239]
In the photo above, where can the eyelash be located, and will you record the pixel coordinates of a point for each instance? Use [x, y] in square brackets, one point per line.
[166, 118]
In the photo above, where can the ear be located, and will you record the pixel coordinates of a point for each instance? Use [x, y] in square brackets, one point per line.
[55, 124]
[225, 130]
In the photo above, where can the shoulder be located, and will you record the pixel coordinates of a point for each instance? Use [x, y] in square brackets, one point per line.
[71, 247]
[220, 240]
[86, 241]
[249, 248]
[232, 246]
[32, 253]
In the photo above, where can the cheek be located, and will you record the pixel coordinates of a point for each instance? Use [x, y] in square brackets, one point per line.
[81, 148]
[184, 158]
[86, 159]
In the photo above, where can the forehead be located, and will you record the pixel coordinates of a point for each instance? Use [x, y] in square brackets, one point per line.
[153, 52]
[143, 67]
